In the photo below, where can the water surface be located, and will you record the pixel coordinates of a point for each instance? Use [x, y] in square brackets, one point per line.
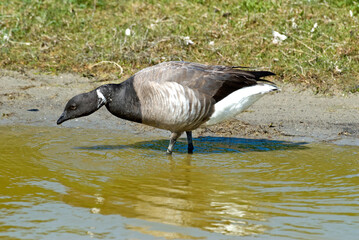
[60, 183]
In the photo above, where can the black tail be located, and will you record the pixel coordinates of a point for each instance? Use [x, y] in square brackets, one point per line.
[260, 74]
[257, 74]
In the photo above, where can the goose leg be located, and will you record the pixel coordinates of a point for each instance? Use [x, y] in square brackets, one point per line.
[173, 139]
[189, 140]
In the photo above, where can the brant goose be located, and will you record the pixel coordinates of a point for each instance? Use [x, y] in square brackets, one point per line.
[176, 96]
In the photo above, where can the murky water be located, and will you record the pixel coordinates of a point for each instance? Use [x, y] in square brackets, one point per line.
[59, 183]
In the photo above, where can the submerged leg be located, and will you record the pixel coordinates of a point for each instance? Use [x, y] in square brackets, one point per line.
[189, 140]
[173, 140]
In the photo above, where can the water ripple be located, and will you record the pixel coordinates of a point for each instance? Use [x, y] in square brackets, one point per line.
[80, 183]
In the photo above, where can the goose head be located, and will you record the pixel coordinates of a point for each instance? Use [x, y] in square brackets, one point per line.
[82, 105]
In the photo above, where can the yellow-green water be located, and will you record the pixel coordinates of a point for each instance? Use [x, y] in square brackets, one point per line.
[59, 183]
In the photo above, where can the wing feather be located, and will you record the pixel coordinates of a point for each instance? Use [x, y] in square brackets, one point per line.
[216, 81]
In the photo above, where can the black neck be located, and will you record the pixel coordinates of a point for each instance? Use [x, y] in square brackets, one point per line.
[122, 100]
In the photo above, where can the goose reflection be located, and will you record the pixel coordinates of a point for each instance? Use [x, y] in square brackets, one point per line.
[178, 192]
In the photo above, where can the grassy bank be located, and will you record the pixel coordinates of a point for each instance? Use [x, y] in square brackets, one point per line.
[321, 49]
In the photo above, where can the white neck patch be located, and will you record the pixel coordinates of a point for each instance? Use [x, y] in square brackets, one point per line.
[101, 96]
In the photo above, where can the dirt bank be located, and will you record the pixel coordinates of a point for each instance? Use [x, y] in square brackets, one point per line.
[293, 114]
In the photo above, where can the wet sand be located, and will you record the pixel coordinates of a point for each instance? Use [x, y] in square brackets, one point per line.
[293, 114]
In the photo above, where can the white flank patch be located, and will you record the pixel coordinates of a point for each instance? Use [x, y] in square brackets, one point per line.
[100, 95]
[238, 101]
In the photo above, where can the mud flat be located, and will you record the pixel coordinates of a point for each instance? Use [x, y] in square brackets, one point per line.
[294, 114]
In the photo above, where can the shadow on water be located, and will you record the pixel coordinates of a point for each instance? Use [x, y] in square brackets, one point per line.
[209, 145]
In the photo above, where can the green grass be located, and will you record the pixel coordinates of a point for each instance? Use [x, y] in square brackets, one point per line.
[74, 35]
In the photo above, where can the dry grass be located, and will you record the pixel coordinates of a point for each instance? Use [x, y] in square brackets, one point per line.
[76, 35]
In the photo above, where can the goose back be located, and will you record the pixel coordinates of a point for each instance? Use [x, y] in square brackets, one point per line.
[214, 81]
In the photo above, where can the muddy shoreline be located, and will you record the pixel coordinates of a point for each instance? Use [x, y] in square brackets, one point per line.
[293, 114]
